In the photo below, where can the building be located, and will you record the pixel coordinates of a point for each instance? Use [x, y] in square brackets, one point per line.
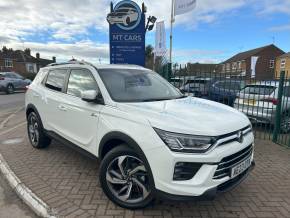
[240, 64]
[283, 64]
[197, 69]
[21, 61]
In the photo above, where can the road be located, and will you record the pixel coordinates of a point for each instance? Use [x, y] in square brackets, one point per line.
[10, 205]
[10, 102]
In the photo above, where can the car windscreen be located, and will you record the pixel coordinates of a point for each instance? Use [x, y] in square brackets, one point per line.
[258, 90]
[133, 85]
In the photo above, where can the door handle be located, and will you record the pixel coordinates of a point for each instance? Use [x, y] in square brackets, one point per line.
[62, 108]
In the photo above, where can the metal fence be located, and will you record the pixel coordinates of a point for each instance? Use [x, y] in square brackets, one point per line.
[266, 103]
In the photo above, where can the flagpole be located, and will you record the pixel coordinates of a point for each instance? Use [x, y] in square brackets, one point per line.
[171, 30]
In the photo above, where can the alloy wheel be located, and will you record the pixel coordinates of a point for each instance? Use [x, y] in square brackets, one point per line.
[127, 179]
[33, 129]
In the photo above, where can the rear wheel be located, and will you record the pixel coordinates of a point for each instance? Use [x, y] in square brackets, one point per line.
[125, 178]
[10, 89]
[128, 21]
[36, 134]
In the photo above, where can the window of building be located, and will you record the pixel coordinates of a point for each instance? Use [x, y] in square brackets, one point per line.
[228, 67]
[8, 63]
[283, 63]
[272, 64]
[79, 81]
[234, 66]
[239, 65]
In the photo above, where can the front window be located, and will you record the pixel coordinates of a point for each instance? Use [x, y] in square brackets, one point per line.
[79, 81]
[130, 85]
[8, 63]
[283, 63]
[272, 64]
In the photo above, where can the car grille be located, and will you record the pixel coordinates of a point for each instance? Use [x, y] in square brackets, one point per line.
[233, 136]
[224, 167]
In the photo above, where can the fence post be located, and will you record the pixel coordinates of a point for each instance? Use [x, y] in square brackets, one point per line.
[278, 108]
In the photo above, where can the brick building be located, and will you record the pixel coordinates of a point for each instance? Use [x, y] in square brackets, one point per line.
[21, 61]
[283, 64]
[240, 64]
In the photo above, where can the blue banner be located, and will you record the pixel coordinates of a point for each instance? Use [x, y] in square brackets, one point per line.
[127, 34]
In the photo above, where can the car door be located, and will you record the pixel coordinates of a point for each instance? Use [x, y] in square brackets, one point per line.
[13, 80]
[79, 119]
[51, 98]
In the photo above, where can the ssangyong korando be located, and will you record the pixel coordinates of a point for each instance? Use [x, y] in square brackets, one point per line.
[152, 141]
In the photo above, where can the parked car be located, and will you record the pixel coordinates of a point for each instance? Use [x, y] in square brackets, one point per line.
[150, 139]
[123, 15]
[177, 81]
[259, 102]
[198, 87]
[11, 82]
[225, 91]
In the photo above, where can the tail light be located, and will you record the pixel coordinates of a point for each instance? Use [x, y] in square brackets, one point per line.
[271, 100]
[26, 88]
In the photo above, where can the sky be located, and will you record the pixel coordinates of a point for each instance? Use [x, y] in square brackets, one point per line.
[212, 33]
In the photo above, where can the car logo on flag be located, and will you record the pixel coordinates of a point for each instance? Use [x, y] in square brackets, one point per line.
[126, 15]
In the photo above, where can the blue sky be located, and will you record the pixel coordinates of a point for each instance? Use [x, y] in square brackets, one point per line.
[211, 33]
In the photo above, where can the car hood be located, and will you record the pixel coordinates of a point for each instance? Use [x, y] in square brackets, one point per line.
[189, 116]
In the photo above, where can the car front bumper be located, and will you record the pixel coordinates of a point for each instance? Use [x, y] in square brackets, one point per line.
[162, 162]
[212, 193]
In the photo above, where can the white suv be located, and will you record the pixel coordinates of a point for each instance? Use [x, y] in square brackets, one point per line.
[152, 141]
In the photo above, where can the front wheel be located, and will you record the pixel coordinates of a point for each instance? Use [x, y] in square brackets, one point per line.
[285, 124]
[125, 178]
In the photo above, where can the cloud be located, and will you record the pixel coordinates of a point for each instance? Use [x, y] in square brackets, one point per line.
[280, 28]
[84, 50]
[273, 6]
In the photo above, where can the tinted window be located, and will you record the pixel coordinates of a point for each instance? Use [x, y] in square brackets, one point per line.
[56, 79]
[79, 81]
[128, 85]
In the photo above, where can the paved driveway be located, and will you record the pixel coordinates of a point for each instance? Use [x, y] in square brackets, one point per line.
[68, 182]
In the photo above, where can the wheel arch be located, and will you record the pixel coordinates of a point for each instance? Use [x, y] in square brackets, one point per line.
[31, 108]
[114, 139]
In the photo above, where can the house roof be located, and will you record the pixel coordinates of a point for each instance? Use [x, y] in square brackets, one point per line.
[287, 55]
[247, 54]
[21, 56]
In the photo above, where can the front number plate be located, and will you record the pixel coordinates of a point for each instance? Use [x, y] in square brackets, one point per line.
[240, 168]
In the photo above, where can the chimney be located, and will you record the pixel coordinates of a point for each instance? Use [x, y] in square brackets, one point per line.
[53, 59]
[37, 55]
[27, 51]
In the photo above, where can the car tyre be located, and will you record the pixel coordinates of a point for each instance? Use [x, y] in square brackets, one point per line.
[128, 21]
[126, 179]
[36, 133]
[10, 89]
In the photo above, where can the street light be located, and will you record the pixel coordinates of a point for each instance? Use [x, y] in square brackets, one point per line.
[151, 20]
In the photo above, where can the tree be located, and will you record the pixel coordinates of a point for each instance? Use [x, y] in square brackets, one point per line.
[149, 57]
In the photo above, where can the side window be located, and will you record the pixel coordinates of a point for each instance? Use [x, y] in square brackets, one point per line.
[80, 80]
[56, 80]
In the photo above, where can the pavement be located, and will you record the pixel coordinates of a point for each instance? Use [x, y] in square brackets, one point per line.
[10, 204]
[67, 182]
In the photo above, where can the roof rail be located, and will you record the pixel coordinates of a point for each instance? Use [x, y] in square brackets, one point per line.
[70, 62]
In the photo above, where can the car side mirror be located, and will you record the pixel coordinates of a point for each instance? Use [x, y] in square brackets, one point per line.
[92, 96]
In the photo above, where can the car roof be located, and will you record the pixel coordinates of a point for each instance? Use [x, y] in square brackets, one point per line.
[71, 64]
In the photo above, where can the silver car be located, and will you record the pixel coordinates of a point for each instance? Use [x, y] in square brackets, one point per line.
[11, 82]
[259, 102]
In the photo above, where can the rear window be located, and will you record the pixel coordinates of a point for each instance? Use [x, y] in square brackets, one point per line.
[258, 90]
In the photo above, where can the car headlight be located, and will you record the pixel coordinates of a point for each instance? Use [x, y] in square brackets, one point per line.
[186, 143]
